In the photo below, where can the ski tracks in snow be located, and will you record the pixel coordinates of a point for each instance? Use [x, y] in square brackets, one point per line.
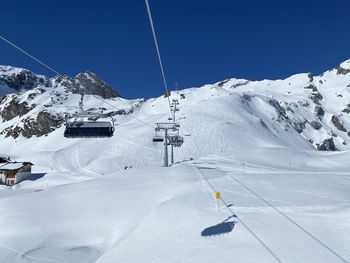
[214, 183]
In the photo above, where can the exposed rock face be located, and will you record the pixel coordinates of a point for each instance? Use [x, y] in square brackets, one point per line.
[316, 97]
[299, 126]
[312, 87]
[14, 108]
[316, 125]
[221, 83]
[279, 109]
[319, 111]
[310, 76]
[92, 84]
[327, 145]
[42, 125]
[347, 109]
[338, 124]
[342, 71]
[21, 79]
[70, 84]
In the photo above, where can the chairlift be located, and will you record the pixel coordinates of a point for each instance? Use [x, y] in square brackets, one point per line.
[80, 128]
[158, 138]
[176, 140]
[86, 124]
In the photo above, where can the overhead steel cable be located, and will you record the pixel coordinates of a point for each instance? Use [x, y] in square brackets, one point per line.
[29, 55]
[269, 250]
[61, 75]
[158, 52]
[290, 220]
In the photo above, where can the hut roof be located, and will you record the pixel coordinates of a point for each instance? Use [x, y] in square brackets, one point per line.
[13, 166]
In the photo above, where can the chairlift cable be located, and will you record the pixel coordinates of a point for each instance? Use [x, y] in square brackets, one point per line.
[307, 232]
[268, 249]
[158, 52]
[29, 55]
[61, 75]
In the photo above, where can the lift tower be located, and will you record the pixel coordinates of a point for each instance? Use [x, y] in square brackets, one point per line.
[171, 133]
[166, 127]
[174, 108]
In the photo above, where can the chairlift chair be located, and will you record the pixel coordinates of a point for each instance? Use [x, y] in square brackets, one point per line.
[86, 124]
[176, 140]
[89, 129]
[158, 138]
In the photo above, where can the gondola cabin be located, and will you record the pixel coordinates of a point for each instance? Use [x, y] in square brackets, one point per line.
[14, 172]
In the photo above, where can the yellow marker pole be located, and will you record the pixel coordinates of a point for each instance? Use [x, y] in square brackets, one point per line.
[218, 196]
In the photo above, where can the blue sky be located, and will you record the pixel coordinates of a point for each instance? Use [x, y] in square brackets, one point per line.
[201, 41]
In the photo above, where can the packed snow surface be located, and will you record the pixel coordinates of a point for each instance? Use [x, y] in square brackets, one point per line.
[156, 214]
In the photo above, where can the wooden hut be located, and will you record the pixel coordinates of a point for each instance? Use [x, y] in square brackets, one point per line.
[15, 172]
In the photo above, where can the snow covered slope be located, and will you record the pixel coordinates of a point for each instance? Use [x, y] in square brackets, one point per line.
[155, 214]
[301, 112]
[85, 206]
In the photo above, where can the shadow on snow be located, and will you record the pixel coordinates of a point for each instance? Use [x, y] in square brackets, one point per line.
[224, 227]
[34, 176]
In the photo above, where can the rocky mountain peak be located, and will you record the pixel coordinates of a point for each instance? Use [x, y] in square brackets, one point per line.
[14, 79]
[345, 64]
[21, 79]
[92, 84]
[344, 68]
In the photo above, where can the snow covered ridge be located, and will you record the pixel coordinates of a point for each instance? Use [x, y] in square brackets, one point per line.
[29, 104]
[314, 110]
[19, 79]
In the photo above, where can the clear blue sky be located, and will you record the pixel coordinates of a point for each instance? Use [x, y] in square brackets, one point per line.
[201, 41]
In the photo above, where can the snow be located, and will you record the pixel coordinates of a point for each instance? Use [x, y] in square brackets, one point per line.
[161, 213]
[9, 70]
[345, 64]
[11, 166]
[109, 200]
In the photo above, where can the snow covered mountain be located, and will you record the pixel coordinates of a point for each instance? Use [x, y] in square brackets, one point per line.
[316, 107]
[108, 200]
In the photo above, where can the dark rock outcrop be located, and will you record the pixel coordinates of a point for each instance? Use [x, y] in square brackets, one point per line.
[15, 108]
[338, 124]
[93, 85]
[22, 79]
[319, 111]
[42, 125]
[312, 87]
[342, 71]
[347, 109]
[299, 126]
[327, 145]
[221, 83]
[279, 109]
[316, 125]
[70, 84]
[310, 76]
